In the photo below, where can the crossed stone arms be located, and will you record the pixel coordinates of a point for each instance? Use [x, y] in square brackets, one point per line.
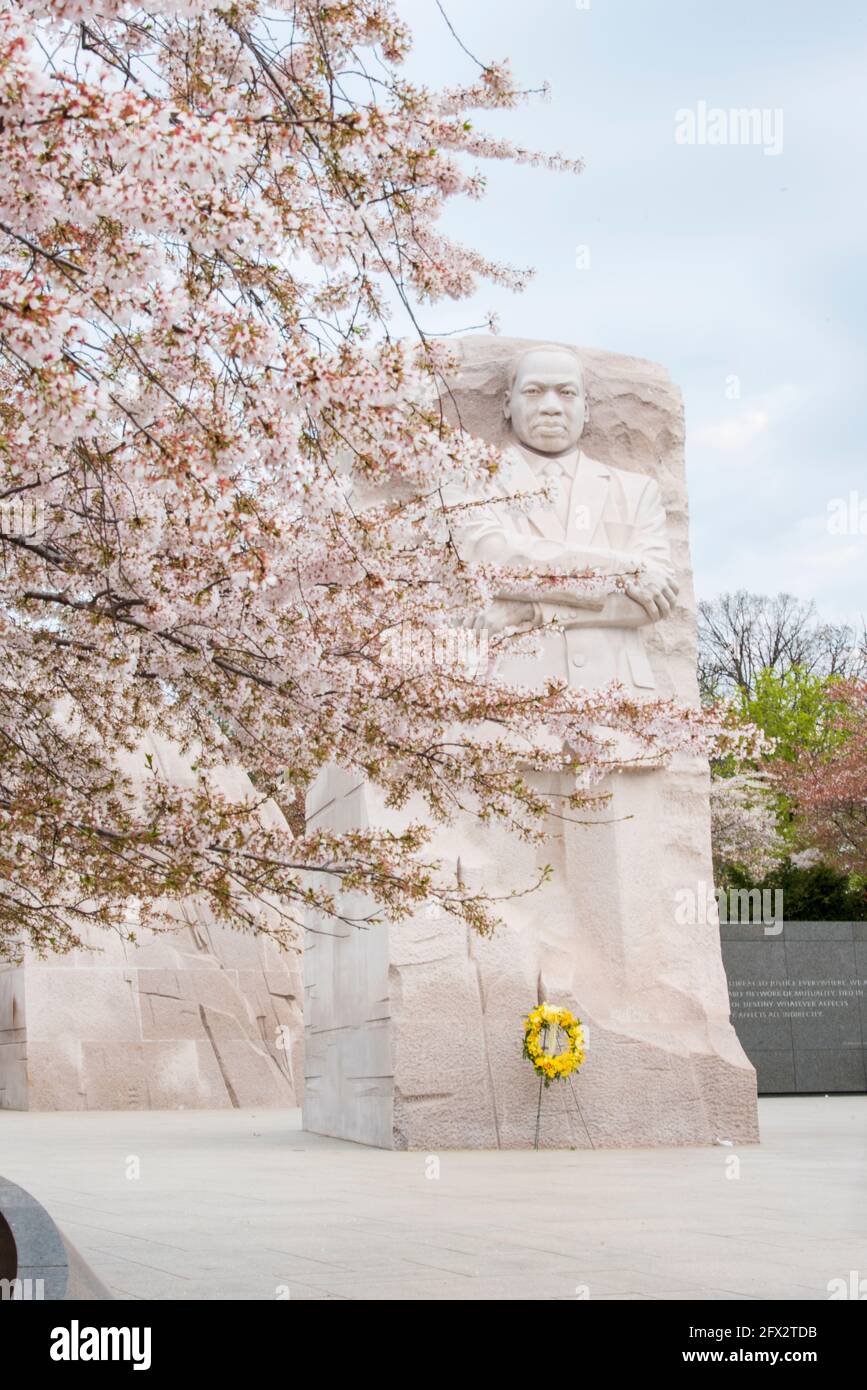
[650, 589]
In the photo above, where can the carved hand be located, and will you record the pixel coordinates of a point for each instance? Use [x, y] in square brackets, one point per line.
[505, 613]
[655, 591]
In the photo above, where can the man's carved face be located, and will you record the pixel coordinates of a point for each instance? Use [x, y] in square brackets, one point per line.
[547, 405]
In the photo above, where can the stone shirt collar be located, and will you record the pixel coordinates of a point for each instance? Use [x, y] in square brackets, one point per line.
[567, 463]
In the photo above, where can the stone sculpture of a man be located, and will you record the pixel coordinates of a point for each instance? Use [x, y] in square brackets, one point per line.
[413, 1028]
[597, 517]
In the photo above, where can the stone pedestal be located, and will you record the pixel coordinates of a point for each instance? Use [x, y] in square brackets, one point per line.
[413, 1029]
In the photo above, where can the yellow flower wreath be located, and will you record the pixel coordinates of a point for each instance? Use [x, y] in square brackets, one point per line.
[550, 1066]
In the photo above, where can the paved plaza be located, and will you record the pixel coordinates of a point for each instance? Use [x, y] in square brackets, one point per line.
[234, 1204]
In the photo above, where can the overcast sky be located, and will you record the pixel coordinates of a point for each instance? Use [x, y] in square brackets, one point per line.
[719, 261]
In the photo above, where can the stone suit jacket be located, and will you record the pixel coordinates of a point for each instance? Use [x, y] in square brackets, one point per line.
[610, 513]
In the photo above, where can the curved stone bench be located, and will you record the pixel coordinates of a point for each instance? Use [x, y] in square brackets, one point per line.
[36, 1261]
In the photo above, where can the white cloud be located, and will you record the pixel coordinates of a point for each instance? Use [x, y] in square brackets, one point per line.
[837, 558]
[731, 435]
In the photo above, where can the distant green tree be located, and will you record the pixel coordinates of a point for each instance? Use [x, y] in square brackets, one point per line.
[800, 710]
[797, 709]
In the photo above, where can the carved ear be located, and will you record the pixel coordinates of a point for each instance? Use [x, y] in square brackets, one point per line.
[507, 407]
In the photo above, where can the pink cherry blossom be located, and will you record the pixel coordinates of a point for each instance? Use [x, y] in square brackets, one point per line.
[220, 225]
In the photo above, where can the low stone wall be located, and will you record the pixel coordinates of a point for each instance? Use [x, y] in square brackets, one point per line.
[798, 994]
[199, 1018]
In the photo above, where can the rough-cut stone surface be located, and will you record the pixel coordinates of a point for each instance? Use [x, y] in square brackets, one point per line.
[199, 1017]
[414, 1029]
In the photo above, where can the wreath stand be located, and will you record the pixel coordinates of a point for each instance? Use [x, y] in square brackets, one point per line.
[577, 1108]
[557, 1065]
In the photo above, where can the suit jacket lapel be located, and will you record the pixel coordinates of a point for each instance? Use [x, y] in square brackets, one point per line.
[521, 478]
[589, 493]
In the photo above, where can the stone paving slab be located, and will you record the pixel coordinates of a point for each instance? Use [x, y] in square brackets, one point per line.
[244, 1205]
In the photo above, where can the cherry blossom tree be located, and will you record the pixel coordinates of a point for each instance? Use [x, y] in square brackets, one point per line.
[224, 462]
[827, 787]
[744, 827]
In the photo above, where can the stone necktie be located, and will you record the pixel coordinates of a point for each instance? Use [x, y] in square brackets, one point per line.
[554, 472]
